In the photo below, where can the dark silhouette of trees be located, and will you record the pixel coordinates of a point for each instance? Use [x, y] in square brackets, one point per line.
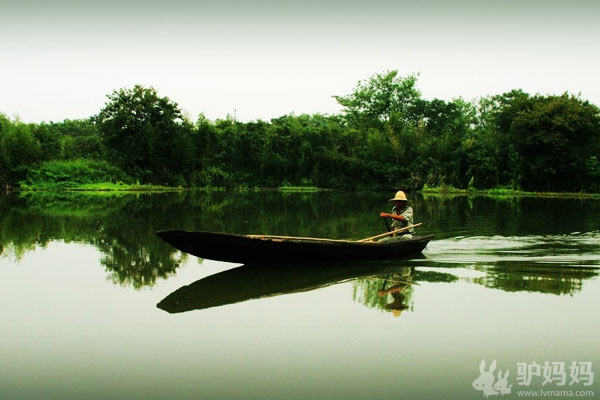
[386, 136]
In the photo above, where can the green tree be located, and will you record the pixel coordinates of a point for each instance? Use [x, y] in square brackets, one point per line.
[146, 135]
[387, 107]
[549, 139]
[444, 128]
[592, 174]
[69, 140]
[383, 101]
[491, 155]
[19, 148]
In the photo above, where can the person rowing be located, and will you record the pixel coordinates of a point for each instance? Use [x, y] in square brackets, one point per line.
[402, 214]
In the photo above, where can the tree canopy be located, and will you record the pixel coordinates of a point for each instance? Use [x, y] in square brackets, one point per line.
[387, 136]
[146, 135]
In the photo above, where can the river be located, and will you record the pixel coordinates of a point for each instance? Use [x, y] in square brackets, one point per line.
[508, 284]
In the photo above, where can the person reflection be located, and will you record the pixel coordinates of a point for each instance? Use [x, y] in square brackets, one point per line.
[397, 296]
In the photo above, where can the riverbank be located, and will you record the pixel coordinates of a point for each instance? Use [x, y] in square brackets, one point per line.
[100, 187]
[107, 187]
[502, 192]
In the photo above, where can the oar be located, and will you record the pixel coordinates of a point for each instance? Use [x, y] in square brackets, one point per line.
[280, 238]
[273, 237]
[390, 233]
[387, 224]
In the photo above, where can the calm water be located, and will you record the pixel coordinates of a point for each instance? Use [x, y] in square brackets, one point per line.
[513, 280]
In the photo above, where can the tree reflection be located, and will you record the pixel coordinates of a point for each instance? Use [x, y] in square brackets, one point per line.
[123, 227]
[137, 265]
[540, 278]
[394, 292]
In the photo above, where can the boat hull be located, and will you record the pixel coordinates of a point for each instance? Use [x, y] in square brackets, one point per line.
[273, 249]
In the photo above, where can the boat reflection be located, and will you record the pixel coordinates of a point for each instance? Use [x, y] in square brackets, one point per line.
[383, 285]
[260, 281]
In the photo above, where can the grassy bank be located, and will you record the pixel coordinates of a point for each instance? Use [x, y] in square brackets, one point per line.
[99, 176]
[503, 192]
[303, 189]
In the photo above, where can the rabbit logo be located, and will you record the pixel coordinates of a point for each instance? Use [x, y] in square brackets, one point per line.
[501, 384]
[485, 382]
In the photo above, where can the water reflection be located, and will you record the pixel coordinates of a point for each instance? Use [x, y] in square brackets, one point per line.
[393, 291]
[250, 282]
[543, 279]
[386, 286]
[393, 295]
[517, 243]
[553, 264]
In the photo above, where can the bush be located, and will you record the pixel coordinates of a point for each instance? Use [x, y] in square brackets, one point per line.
[72, 174]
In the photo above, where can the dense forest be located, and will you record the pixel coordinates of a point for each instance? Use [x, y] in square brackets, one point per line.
[387, 136]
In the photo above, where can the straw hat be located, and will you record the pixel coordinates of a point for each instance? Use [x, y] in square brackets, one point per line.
[400, 196]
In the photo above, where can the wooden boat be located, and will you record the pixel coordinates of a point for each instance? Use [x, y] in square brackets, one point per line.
[288, 249]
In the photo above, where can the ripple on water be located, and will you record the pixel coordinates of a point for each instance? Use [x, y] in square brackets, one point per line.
[569, 250]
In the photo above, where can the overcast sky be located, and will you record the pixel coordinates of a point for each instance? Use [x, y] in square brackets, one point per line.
[267, 58]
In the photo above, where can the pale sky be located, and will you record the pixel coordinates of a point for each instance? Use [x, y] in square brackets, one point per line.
[267, 58]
